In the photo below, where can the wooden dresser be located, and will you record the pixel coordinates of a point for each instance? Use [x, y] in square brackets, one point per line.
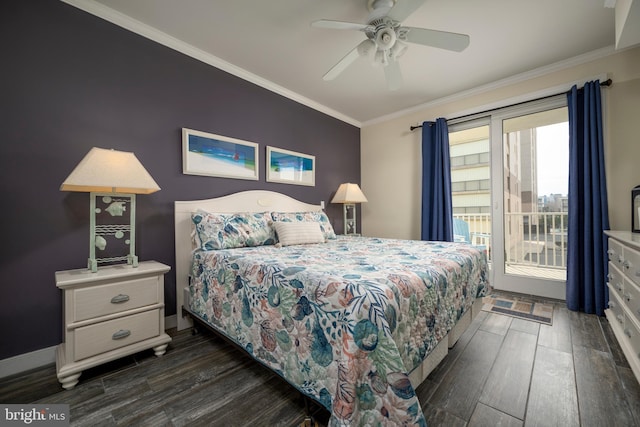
[115, 312]
[624, 293]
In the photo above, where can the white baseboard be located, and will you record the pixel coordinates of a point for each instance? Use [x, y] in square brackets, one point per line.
[170, 321]
[46, 356]
[27, 361]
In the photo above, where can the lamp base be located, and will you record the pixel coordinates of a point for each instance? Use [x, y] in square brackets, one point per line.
[109, 225]
[92, 264]
[349, 218]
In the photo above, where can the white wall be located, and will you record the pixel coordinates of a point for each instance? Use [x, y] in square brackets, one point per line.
[391, 154]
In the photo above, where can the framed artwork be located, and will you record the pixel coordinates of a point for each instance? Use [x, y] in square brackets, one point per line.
[215, 155]
[290, 167]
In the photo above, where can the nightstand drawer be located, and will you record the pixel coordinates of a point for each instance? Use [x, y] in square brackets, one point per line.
[96, 301]
[116, 333]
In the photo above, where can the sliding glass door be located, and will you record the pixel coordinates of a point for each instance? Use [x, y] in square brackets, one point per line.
[533, 171]
[509, 174]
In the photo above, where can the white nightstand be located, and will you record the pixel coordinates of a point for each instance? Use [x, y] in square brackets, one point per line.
[115, 312]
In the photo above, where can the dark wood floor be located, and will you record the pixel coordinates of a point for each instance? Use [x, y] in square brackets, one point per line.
[502, 371]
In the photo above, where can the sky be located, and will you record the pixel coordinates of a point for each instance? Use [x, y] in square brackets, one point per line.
[553, 159]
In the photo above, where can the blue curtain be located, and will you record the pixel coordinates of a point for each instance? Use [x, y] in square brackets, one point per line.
[588, 208]
[437, 213]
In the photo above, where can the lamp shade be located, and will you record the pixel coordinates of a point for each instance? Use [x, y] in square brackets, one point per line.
[110, 171]
[349, 193]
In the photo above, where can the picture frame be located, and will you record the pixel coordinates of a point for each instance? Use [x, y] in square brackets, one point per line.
[290, 167]
[209, 154]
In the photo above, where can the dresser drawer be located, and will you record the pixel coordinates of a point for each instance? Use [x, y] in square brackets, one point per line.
[615, 305]
[615, 253]
[631, 265]
[615, 280]
[631, 298]
[116, 333]
[633, 334]
[96, 301]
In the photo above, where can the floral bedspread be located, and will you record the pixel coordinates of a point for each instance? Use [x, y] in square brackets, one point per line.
[343, 321]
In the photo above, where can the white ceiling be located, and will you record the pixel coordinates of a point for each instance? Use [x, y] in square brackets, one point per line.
[273, 44]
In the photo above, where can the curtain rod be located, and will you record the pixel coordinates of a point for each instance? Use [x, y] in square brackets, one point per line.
[605, 83]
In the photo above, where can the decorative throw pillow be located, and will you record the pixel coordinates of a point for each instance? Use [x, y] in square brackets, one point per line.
[312, 216]
[298, 233]
[226, 231]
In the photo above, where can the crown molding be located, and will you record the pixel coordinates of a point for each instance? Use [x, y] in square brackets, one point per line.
[498, 84]
[135, 26]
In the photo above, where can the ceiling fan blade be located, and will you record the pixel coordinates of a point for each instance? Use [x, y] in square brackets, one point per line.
[441, 39]
[393, 75]
[338, 25]
[403, 8]
[346, 61]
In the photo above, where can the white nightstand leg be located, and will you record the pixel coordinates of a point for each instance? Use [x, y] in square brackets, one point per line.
[70, 381]
[160, 349]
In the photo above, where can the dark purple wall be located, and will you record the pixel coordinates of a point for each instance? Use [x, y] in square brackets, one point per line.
[70, 81]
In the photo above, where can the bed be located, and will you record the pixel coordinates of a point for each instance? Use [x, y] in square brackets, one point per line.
[354, 323]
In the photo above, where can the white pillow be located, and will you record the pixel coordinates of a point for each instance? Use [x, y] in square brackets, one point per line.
[298, 233]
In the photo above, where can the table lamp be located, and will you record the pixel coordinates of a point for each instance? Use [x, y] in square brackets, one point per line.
[113, 178]
[349, 194]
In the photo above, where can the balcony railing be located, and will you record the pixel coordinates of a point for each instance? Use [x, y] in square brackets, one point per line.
[531, 239]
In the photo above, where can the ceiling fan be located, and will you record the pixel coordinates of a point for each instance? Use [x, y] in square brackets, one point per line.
[387, 39]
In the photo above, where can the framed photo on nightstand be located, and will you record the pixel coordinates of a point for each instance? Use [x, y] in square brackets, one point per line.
[635, 209]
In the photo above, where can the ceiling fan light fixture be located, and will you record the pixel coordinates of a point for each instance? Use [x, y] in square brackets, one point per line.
[367, 49]
[381, 58]
[398, 49]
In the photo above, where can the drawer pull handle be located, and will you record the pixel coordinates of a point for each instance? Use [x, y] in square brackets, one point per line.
[119, 299]
[122, 333]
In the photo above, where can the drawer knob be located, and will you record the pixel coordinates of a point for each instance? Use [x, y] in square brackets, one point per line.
[119, 299]
[627, 297]
[627, 332]
[619, 287]
[626, 265]
[620, 318]
[613, 304]
[611, 252]
[122, 333]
